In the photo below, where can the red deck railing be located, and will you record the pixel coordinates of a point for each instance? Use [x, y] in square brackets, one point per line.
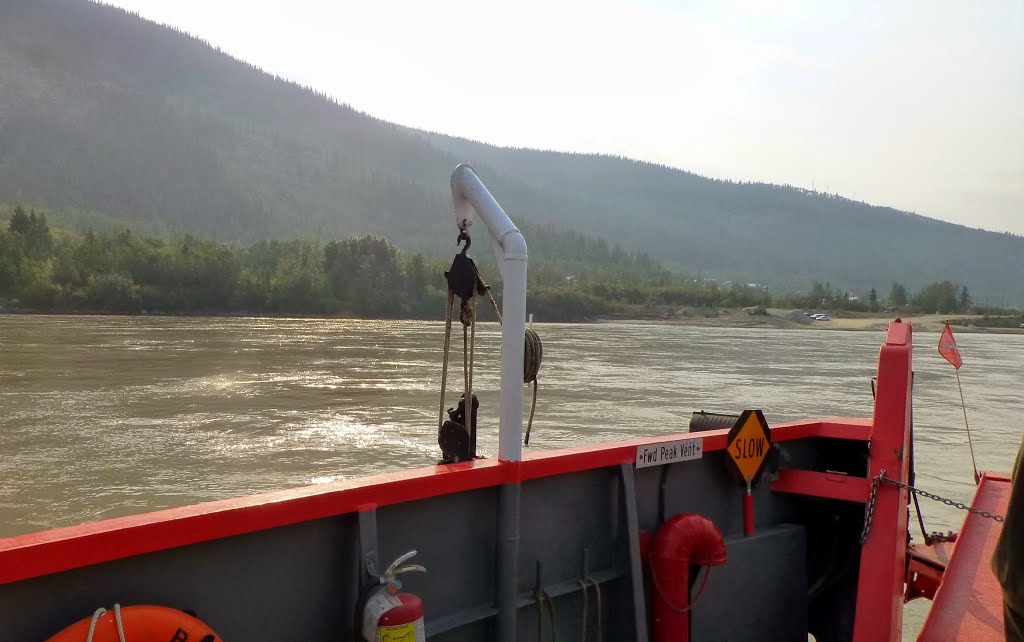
[53, 551]
[969, 603]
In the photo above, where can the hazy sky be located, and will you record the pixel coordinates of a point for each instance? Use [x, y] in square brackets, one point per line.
[914, 104]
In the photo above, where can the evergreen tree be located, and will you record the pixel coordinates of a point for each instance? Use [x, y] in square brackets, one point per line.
[19, 223]
[965, 299]
[939, 298]
[898, 296]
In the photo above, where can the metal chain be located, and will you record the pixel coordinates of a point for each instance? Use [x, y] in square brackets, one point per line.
[869, 509]
[948, 502]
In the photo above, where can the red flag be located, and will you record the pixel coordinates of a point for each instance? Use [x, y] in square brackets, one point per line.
[948, 349]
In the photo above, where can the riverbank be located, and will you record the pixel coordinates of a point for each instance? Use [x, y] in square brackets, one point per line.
[796, 319]
[770, 318]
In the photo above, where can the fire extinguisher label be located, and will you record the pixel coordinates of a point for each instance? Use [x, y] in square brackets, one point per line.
[379, 603]
[409, 632]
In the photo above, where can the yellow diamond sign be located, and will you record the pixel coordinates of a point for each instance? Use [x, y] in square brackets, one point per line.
[748, 444]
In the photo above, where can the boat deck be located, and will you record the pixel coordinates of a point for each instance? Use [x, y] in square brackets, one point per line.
[968, 604]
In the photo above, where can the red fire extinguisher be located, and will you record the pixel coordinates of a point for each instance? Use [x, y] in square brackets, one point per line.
[391, 616]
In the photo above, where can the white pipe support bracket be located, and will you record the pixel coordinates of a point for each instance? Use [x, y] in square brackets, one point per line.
[471, 197]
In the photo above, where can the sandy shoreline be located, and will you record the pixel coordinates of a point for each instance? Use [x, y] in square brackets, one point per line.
[772, 318]
[782, 319]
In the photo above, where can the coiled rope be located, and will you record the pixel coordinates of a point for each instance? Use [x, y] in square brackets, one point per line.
[533, 353]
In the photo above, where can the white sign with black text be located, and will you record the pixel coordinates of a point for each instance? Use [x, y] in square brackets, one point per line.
[669, 453]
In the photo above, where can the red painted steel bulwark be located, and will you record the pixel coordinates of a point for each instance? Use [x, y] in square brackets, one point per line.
[62, 549]
[879, 614]
[969, 603]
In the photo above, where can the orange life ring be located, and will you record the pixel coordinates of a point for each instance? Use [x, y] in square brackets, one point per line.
[139, 624]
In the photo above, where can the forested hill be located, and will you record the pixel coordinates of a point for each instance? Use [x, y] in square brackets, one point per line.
[101, 111]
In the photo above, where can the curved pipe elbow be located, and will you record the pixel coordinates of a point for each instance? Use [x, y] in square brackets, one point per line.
[689, 538]
[514, 246]
[471, 197]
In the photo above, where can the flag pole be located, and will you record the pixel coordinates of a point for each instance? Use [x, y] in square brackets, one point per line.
[949, 352]
[977, 477]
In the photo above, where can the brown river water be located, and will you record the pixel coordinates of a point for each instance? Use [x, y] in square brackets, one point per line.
[108, 416]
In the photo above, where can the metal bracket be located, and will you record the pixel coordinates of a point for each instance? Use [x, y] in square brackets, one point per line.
[368, 555]
[635, 565]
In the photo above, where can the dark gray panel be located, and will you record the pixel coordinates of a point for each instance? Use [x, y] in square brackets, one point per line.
[455, 538]
[760, 594]
[562, 516]
[290, 583]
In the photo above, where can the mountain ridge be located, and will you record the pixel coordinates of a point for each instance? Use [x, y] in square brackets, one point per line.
[113, 113]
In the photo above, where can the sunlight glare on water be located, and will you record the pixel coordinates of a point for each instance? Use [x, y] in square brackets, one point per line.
[104, 416]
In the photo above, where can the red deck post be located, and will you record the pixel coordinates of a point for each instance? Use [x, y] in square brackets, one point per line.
[879, 614]
[748, 514]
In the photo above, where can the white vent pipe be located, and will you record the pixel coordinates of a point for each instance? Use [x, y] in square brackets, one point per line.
[472, 197]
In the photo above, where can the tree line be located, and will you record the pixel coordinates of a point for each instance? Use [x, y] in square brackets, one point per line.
[122, 272]
[573, 277]
[941, 297]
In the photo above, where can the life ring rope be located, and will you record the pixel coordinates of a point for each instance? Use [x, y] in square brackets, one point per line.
[100, 612]
[145, 621]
